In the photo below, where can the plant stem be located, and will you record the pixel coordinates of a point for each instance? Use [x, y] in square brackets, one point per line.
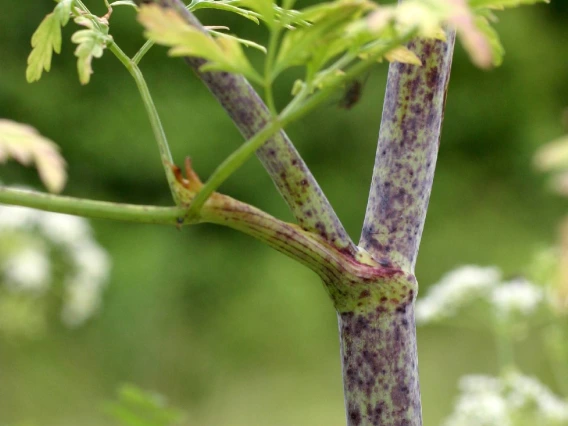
[278, 155]
[380, 367]
[142, 52]
[406, 154]
[307, 248]
[238, 157]
[152, 112]
[231, 164]
[91, 208]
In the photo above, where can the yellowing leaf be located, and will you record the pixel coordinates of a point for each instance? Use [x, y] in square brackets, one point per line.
[45, 40]
[404, 55]
[166, 27]
[24, 144]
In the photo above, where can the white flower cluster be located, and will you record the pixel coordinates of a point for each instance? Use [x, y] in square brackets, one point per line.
[490, 401]
[517, 296]
[456, 289]
[26, 264]
[468, 284]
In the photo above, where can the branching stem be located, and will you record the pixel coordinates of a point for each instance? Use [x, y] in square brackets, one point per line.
[152, 112]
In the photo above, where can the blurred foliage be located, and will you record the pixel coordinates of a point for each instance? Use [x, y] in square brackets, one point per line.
[136, 407]
[232, 332]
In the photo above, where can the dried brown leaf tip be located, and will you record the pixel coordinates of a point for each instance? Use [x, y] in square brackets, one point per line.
[191, 180]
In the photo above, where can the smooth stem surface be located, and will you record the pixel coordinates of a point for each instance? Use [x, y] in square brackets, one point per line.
[231, 164]
[91, 208]
[152, 112]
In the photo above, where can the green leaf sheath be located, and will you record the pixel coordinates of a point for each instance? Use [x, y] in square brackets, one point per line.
[406, 154]
[280, 158]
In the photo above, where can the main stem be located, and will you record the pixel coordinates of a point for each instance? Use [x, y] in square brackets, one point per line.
[378, 334]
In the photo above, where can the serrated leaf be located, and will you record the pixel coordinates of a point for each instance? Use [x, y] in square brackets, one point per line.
[91, 43]
[316, 44]
[45, 40]
[500, 4]
[166, 27]
[265, 8]
[24, 144]
[63, 11]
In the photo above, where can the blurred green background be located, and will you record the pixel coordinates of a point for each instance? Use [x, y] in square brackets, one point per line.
[231, 331]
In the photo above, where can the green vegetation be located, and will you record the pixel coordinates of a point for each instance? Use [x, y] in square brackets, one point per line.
[171, 314]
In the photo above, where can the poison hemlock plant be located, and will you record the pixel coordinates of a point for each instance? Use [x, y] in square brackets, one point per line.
[372, 283]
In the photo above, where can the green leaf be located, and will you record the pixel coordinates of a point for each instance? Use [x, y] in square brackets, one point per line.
[265, 8]
[91, 44]
[46, 40]
[244, 42]
[24, 144]
[166, 27]
[228, 6]
[500, 4]
[124, 3]
[316, 44]
[63, 11]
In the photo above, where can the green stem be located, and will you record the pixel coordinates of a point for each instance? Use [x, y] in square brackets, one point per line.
[231, 164]
[143, 50]
[290, 114]
[152, 112]
[91, 208]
